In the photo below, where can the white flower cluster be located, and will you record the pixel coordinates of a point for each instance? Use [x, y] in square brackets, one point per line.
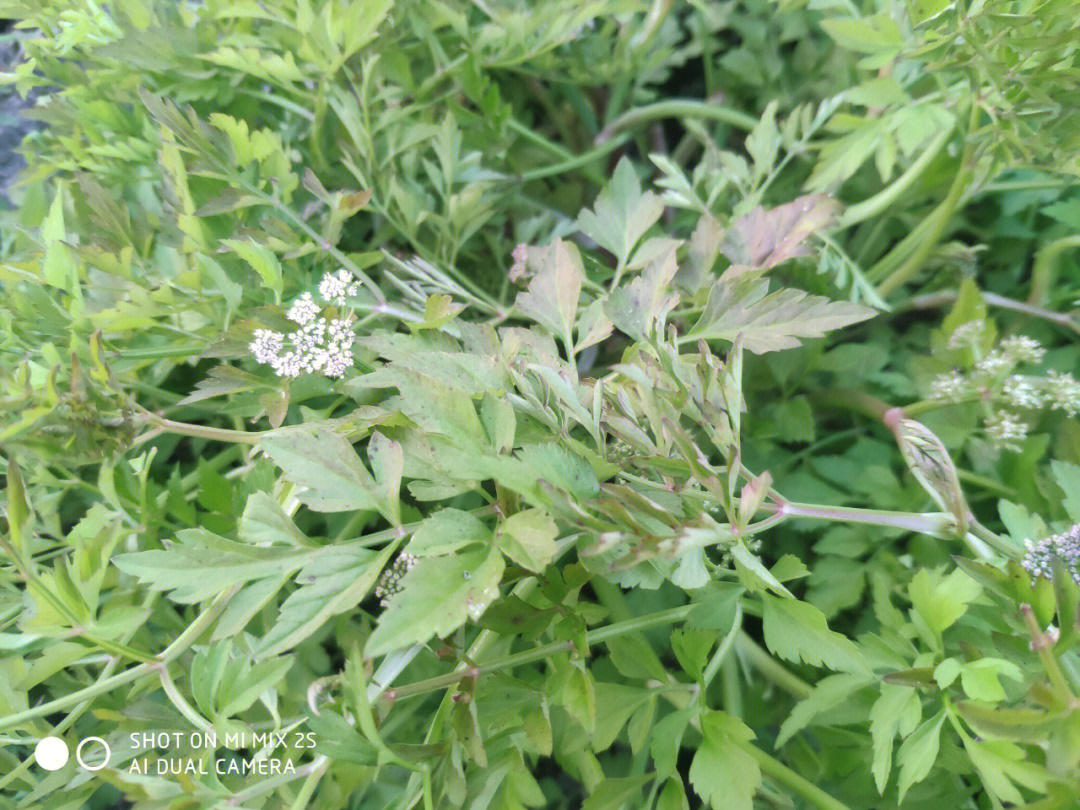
[338, 287]
[952, 385]
[1022, 349]
[1066, 546]
[390, 581]
[1063, 392]
[966, 335]
[992, 379]
[1005, 429]
[319, 345]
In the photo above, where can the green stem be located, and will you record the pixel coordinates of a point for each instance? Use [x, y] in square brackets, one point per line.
[571, 164]
[1044, 271]
[933, 524]
[556, 149]
[205, 432]
[543, 651]
[851, 399]
[676, 108]
[722, 651]
[170, 653]
[783, 775]
[938, 220]
[855, 214]
[939, 299]
[181, 704]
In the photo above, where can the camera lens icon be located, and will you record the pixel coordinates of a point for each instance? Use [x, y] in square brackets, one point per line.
[92, 761]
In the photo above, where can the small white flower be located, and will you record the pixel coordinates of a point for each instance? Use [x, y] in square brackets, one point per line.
[1022, 392]
[966, 335]
[1005, 429]
[304, 309]
[951, 386]
[318, 346]
[994, 365]
[1063, 392]
[338, 287]
[1023, 349]
[266, 345]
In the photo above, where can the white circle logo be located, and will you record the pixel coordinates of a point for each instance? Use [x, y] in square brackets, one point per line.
[97, 766]
[51, 753]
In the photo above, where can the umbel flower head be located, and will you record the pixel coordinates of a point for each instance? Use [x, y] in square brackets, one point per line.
[319, 345]
[1039, 557]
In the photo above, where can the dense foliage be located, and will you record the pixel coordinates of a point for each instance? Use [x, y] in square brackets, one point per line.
[612, 404]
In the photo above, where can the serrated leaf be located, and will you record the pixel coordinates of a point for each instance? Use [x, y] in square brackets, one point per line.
[200, 564]
[621, 214]
[896, 711]
[797, 631]
[335, 581]
[334, 478]
[436, 597]
[446, 531]
[721, 772]
[264, 522]
[764, 238]
[1067, 477]
[552, 297]
[918, 752]
[261, 259]
[769, 322]
[636, 308]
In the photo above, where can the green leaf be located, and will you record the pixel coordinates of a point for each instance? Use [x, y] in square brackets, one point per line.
[980, 678]
[667, 740]
[870, 35]
[264, 522]
[941, 600]
[769, 322]
[200, 565]
[635, 659]
[528, 538]
[335, 581]
[828, 693]
[1000, 764]
[237, 696]
[621, 214]
[262, 260]
[636, 308]
[614, 793]
[552, 297]
[1067, 477]
[722, 773]
[436, 597]
[322, 461]
[896, 711]
[673, 796]
[918, 752]
[797, 631]
[446, 531]
[691, 648]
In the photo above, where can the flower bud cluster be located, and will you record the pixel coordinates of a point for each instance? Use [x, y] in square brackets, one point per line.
[1038, 560]
[390, 581]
